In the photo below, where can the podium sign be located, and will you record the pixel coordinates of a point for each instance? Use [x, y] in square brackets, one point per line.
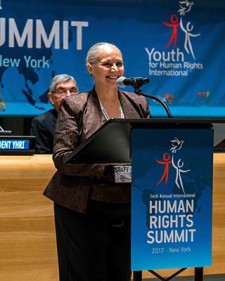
[17, 145]
[171, 198]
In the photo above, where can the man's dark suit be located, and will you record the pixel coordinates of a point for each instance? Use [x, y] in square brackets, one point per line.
[43, 127]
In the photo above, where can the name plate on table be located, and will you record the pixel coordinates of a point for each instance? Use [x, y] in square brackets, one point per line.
[17, 145]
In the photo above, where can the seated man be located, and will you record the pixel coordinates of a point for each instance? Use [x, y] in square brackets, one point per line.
[43, 125]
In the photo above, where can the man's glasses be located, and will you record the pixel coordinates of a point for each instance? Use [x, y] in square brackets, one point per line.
[64, 91]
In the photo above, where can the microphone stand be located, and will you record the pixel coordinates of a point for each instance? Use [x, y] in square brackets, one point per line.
[139, 92]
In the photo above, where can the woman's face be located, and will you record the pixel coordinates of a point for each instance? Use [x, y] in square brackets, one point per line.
[108, 66]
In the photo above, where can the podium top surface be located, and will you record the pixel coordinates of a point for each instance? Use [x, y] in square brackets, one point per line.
[176, 120]
[111, 142]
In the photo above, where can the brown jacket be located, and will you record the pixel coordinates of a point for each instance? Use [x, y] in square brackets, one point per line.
[80, 116]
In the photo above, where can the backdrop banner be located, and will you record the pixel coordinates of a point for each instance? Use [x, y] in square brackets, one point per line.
[178, 45]
[171, 198]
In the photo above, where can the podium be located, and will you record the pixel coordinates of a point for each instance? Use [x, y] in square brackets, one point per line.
[172, 162]
[111, 142]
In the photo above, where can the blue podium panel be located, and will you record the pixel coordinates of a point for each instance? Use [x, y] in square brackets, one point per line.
[171, 198]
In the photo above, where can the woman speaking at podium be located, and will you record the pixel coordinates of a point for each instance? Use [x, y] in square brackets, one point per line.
[91, 205]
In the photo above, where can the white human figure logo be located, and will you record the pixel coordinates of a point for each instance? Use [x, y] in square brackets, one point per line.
[188, 35]
[177, 145]
[178, 167]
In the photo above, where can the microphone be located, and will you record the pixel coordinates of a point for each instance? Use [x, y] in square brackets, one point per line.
[136, 81]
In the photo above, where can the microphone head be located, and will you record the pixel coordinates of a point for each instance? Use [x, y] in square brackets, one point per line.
[135, 81]
[145, 80]
[120, 82]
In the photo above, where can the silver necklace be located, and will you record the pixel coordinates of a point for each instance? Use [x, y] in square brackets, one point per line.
[106, 114]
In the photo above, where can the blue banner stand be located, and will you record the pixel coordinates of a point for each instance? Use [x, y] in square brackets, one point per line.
[147, 145]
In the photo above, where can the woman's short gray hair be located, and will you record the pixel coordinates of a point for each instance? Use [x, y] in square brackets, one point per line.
[61, 78]
[92, 52]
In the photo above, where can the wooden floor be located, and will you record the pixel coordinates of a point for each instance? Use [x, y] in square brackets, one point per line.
[27, 235]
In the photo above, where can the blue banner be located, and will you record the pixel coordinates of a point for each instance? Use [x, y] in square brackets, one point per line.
[178, 45]
[171, 198]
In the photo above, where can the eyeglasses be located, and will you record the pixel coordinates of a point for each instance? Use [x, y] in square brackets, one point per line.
[64, 91]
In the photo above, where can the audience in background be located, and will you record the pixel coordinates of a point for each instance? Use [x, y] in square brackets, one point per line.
[43, 125]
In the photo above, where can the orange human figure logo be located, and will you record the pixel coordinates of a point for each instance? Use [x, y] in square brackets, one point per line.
[174, 24]
[166, 162]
